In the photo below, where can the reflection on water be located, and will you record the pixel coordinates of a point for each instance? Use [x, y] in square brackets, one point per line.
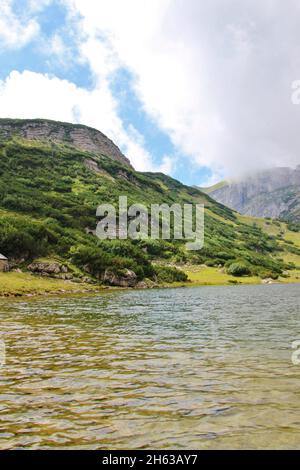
[198, 368]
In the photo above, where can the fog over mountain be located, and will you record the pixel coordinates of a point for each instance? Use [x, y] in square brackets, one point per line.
[271, 193]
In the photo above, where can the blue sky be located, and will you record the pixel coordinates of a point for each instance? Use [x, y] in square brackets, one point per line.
[192, 89]
[53, 22]
[32, 56]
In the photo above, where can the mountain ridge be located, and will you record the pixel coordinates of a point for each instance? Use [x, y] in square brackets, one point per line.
[273, 193]
[76, 135]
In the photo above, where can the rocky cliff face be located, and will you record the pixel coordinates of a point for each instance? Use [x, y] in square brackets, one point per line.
[79, 136]
[274, 193]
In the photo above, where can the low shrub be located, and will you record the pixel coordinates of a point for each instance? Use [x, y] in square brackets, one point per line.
[168, 274]
[239, 269]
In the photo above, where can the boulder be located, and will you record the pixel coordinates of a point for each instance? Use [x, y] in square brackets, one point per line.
[50, 268]
[127, 279]
[142, 285]
[267, 281]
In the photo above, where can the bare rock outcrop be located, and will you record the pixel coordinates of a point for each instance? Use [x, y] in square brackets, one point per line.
[77, 135]
[45, 268]
[272, 193]
[127, 279]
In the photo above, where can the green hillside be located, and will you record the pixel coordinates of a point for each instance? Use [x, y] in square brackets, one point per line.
[215, 187]
[48, 197]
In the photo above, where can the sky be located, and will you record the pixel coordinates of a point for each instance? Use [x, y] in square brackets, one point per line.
[200, 90]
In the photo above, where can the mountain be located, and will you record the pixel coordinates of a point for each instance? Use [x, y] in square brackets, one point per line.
[53, 176]
[273, 193]
[76, 135]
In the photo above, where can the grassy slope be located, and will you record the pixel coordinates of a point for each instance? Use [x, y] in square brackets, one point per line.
[284, 235]
[216, 276]
[216, 186]
[48, 196]
[19, 284]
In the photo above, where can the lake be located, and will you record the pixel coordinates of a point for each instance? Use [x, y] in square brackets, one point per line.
[191, 368]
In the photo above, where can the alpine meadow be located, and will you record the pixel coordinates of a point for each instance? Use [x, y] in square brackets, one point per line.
[49, 195]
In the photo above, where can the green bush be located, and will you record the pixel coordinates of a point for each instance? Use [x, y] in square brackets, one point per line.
[168, 274]
[239, 269]
[269, 275]
[294, 227]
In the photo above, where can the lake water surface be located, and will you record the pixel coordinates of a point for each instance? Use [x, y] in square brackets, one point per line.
[194, 368]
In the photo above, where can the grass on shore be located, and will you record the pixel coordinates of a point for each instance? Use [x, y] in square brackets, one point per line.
[214, 276]
[18, 284]
[26, 284]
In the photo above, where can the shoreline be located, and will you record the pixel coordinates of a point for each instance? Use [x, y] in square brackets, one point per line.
[29, 287]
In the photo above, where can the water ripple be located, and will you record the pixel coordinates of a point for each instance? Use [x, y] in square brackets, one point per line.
[183, 368]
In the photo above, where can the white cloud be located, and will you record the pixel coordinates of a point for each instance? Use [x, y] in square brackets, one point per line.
[216, 76]
[38, 5]
[15, 33]
[57, 52]
[167, 165]
[33, 95]
[57, 46]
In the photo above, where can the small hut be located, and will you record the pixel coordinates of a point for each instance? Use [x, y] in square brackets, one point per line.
[3, 263]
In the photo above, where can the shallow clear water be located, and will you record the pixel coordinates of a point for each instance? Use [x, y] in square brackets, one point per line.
[206, 367]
